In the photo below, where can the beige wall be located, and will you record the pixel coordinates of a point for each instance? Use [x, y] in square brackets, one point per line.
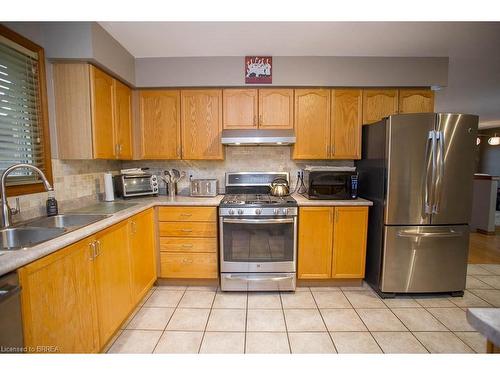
[294, 71]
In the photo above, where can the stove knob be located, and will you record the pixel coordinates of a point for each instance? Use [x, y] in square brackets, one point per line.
[276, 211]
[240, 211]
[285, 211]
[258, 211]
[231, 211]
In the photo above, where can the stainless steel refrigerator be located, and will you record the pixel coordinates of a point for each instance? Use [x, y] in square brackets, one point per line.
[418, 169]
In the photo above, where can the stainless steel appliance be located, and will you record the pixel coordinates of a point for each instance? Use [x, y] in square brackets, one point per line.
[11, 327]
[417, 169]
[135, 185]
[325, 184]
[255, 137]
[258, 234]
[204, 187]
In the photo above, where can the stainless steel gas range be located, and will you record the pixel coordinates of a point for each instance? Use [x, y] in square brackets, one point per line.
[258, 234]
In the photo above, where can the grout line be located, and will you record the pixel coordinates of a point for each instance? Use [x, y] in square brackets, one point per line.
[246, 327]
[323, 319]
[208, 319]
[169, 319]
[286, 326]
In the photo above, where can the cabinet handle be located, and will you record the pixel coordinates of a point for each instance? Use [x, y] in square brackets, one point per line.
[92, 250]
[327, 149]
[186, 214]
[179, 151]
[336, 216]
[186, 230]
[260, 119]
[133, 227]
[185, 260]
[188, 246]
[254, 120]
[98, 248]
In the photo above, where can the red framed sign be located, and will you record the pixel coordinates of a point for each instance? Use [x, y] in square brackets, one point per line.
[258, 69]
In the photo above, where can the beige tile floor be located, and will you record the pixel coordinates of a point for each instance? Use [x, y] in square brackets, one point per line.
[311, 320]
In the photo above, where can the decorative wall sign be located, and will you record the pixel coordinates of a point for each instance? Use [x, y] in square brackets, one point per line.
[258, 69]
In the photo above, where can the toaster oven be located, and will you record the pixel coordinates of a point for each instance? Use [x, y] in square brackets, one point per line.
[127, 186]
[335, 185]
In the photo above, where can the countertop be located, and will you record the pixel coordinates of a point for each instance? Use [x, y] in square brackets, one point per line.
[11, 260]
[487, 322]
[303, 201]
[121, 210]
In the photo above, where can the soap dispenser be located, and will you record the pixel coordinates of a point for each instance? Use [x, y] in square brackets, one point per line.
[52, 209]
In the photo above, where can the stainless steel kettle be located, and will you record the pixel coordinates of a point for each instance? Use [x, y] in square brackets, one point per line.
[279, 187]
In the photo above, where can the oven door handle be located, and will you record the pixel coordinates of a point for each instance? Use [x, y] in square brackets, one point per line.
[258, 221]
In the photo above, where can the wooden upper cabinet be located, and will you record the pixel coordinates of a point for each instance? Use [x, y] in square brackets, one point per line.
[276, 108]
[123, 120]
[312, 124]
[349, 242]
[416, 101]
[58, 301]
[159, 125]
[315, 242]
[101, 88]
[346, 123]
[201, 123]
[379, 103]
[240, 108]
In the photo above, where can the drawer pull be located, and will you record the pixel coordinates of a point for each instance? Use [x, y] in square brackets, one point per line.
[185, 260]
[186, 214]
[189, 245]
[186, 230]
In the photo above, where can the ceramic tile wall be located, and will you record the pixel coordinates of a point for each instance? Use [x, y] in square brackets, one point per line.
[76, 182]
[243, 158]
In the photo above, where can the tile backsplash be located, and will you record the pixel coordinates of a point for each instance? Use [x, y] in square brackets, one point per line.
[81, 182]
[76, 182]
[237, 159]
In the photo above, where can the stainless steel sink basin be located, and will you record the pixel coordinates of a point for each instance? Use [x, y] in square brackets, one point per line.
[18, 238]
[66, 221]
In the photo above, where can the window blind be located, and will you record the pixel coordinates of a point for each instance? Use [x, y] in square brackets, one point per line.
[21, 130]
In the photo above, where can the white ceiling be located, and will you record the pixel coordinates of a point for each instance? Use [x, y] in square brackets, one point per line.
[473, 49]
[175, 39]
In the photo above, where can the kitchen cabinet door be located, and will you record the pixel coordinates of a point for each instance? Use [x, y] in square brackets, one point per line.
[312, 124]
[112, 279]
[201, 123]
[123, 121]
[142, 253]
[276, 108]
[240, 108]
[347, 119]
[315, 242]
[58, 301]
[349, 242]
[379, 103]
[160, 124]
[416, 101]
[102, 104]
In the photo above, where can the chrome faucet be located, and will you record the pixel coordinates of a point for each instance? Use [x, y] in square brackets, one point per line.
[6, 210]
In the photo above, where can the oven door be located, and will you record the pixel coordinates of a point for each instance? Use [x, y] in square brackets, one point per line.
[263, 244]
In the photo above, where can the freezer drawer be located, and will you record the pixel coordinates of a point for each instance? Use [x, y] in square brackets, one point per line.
[421, 259]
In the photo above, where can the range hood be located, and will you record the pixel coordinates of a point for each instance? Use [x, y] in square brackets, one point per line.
[255, 137]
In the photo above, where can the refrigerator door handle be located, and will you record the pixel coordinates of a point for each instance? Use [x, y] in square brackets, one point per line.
[429, 158]
[418, 234]
[439, 171]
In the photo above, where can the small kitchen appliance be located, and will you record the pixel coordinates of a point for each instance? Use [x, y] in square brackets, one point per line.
[135, 185]
[204, 187]
[330, 184]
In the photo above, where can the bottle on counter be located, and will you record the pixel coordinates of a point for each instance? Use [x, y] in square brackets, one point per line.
[52, 209]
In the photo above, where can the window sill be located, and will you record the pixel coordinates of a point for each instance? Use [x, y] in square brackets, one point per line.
[16, 190]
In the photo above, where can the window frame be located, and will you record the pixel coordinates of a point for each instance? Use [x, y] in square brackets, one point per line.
[37, 187]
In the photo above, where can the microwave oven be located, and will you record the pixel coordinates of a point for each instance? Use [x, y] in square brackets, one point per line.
[127, 185]
[335, 185]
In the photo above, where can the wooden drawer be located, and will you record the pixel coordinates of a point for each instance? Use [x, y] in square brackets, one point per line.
[188, 229]
[188, 265]
[187, 214]
[191, 245]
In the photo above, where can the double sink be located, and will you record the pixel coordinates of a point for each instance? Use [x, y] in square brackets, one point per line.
[36, 231]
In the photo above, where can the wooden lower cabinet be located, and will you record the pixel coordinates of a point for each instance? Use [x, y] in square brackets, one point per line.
[142, 253]
[76, 298]
[332, 242]
[188, 242]
[58, 301]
